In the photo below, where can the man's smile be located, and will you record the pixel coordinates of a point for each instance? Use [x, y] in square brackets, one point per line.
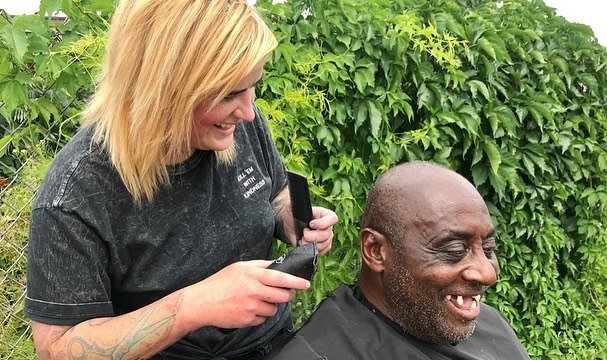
[466, 307]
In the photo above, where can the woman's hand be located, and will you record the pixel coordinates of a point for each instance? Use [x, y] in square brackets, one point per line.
[240, 295]
[321, 229]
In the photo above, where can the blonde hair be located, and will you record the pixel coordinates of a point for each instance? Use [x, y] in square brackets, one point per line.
[163, 59]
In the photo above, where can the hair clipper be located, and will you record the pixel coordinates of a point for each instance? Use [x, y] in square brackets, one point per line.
[302, 260]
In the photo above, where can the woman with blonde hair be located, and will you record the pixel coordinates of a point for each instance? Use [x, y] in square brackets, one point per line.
[152, 228]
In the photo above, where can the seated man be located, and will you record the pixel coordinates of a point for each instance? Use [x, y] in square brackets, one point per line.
[427, 246]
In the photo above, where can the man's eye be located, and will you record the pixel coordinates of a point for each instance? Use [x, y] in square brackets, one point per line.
[489, 251]
[455, 253]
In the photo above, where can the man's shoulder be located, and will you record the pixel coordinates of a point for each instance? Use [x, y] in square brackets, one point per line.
[309, 341]
[343, 328]
[494, 336]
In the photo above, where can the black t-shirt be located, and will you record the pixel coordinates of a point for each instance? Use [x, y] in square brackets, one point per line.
[94, 253]
[343, 327]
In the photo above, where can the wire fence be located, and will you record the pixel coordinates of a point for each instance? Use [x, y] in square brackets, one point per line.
[19, 181]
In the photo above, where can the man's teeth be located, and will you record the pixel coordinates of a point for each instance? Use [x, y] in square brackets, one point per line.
[460, 300]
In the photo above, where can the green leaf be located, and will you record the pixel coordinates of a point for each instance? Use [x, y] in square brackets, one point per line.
[35, 24]
[16, 40]
[476, 86]
[506, 118]
[5, 62]
[486, 46]
[564, 141]
[561, 64]
[361, 115]
[425, 97]
[4, 141]
[479, 175]
[538, 56]
[494, 155]
[49, 7]
[543, 110]
[448, 118]
[376, 118]
[363, 77]
[12, 93]
[46, 108]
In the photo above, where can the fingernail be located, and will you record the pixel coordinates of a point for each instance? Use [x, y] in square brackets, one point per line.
[311, 225]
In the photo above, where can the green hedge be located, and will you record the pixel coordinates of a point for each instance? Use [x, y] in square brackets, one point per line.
[506, 93]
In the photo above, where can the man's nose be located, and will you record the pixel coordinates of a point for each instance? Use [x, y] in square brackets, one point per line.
[244, 110]
[482, 270]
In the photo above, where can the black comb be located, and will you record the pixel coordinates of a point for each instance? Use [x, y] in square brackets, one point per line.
[301, 206]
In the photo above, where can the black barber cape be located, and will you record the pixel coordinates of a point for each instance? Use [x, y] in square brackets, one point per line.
[343, 328]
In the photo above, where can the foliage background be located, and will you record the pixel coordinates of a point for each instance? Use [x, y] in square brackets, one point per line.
[506, 93]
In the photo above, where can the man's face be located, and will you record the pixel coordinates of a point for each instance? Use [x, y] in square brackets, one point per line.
[435, 280]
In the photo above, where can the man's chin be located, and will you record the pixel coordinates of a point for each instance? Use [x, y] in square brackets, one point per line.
[458, 333]
[444, 333]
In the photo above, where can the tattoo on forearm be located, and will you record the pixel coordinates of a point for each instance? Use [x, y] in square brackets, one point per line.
[284, 229]
[146, 328]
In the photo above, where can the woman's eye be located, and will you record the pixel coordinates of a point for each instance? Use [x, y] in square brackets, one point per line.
[229, 98]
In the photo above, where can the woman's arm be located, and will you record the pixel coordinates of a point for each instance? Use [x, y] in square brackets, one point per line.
[240, 295]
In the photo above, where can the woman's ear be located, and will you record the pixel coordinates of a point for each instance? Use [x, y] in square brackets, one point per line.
[374, 249]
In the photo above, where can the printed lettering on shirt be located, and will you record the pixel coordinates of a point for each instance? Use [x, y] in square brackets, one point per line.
[250, 182]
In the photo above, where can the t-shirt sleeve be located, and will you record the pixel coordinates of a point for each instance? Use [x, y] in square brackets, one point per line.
[67, 277]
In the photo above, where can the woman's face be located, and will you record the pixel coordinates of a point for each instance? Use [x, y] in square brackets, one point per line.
[213, 129]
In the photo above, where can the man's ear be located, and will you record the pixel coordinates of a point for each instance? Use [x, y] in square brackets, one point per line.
[374, 249]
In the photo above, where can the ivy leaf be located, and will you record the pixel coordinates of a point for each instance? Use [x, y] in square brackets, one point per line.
[32, 23]
[16, 40]
[425, 97]
[46, 108]
[361, 115]
[486, 46]
[589, 81]
[5, 61]
[506, 118]
[49, 7]
[449, 118]
[537, 109]
[476, 86]
[105, 7]
[564, 141]
[479, 175]
[12, 93]
[3, 144]
[494, 156]
[375, 116]
[363, 77]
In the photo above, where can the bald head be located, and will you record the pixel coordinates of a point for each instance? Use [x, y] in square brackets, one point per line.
[408, 191]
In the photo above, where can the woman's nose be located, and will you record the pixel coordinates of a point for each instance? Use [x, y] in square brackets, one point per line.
[244, 110]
